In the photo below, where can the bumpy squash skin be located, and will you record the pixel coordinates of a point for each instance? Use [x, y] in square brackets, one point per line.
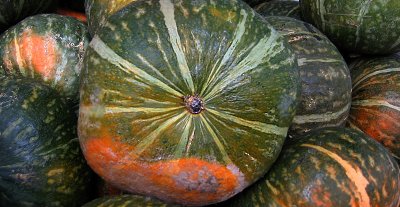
[97, 12]
[357, 26]
[41, 161]
[325, 95]
[376, 100]
[127, 201]
[279, 8]
[328, 167]
[11, 12]
[134, 127]
[48, 47]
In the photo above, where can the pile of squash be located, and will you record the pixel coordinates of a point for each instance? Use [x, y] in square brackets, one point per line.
[195, 103]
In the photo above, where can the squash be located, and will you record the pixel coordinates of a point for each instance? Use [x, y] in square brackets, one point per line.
[279, 8]
[325, 95]
[192, 107]
[11, 12]
[376, 100]
[47, 47]
[127, 201]
[328, 167]
[41, 162]
[97, 11]
[357, 26]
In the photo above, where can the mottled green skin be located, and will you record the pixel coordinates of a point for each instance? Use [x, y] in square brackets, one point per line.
[97, 12]
[41, 162]
[305, 176]
[325, 94]
[280, 8]
[376, 99]
[357, 26]
[262, 94]
[127, 201]
[13, 11]
[71, 37]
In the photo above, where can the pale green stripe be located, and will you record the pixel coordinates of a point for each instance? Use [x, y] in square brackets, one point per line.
[304, 61]
[325, 117]
[375, 103]
[147, 141]
[107, 53]
[395, 44]
[147, 110]
[259, 126]
[220, 146]
[184, 142]
[322, 12]
[11, 127]
[389, 70]
[167, 8]
[255, 57]
[292, 10]
[364, 9]
[240, 30]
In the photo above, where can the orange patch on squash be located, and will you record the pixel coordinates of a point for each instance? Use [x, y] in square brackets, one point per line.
[189, 181]
[34, 52]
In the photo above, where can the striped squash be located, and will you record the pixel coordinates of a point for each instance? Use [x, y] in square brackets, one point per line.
[357, 26]
[41, 163]
[11, 12]
[279, 8]
[192, 107]
[375, 107]
[48, 47]
[127, 201]
[331, 167]
[325, 93]
[97, 11]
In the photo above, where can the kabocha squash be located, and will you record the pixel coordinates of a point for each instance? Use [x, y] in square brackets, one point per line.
[357, 26]
[192, 107]
[375, 107]
[328, 167]
[11, 12]
[97, 11]
[279, 8]
[41, 162]
[48, 47]
[325, 94]
[127, 201]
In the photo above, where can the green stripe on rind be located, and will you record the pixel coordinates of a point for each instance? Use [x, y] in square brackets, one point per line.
[369, 75]
[167, 8]
[259, 126]
[325, 117]
[107, 53]
[372, 102]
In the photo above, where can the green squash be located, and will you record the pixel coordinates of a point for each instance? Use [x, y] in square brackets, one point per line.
[325, 95]
[329, 167]
[41, 162]
[127, 201]
[47, 47]
[357, 26]
[97, 12]
[13, 11]
[192, 107]
[279, 8]
[375, 107]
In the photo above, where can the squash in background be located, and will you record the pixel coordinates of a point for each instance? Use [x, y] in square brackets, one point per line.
[192, 107]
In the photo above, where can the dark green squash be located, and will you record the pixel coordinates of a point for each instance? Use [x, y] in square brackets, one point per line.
[329, 167]
[279, 8]
[97, 12]
[192, 107]
[325, 94]
[13, 11]
[47, 47]
[41, 162]
[375, 107]
[127, 201]
[357, 26]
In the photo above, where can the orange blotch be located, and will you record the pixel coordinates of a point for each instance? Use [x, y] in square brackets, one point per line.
[189, 181]
[35, 52]
[71, 13]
